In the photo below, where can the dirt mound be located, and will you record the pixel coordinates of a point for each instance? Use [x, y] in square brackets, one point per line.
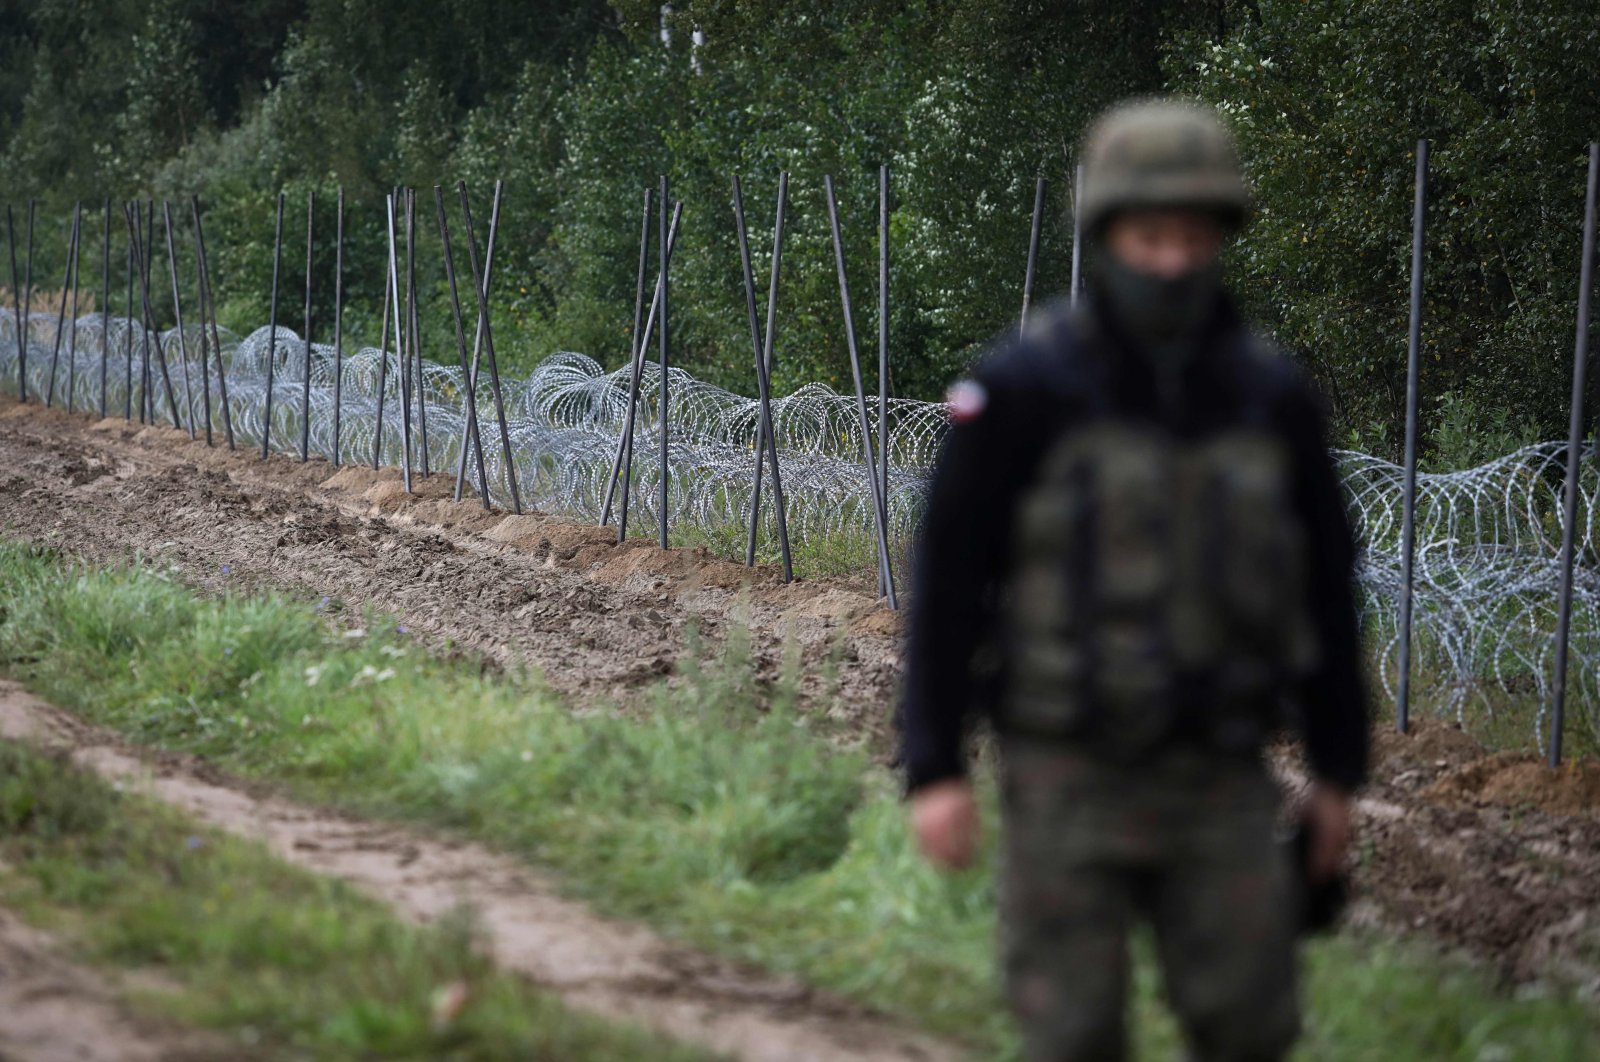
[598, 617]
[1521, 781]
[1416, 759]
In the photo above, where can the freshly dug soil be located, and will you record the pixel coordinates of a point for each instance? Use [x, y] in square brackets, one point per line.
[1490, 853]
[599, 619]
[1521, 781]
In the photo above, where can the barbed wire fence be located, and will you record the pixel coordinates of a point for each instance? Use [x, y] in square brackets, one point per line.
[1488, 539]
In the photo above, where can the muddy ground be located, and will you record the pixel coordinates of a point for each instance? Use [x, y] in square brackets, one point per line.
[1484, 854]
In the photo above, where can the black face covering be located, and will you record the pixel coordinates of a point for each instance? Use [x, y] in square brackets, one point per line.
[1162, 313]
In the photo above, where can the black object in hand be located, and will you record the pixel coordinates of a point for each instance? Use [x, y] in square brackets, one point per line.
[1321, 902]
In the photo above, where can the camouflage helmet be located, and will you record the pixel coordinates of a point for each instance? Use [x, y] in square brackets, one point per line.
[1160, 152]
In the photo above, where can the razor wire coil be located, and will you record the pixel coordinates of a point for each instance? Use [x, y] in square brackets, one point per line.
[1486, 569]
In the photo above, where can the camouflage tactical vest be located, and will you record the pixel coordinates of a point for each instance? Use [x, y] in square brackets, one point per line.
[1158, 590]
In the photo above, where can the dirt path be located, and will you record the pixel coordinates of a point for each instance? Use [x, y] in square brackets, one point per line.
[52, 1010]
[614, 969]
[599, 619]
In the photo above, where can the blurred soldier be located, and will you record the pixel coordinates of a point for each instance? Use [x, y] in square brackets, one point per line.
[1136, 523]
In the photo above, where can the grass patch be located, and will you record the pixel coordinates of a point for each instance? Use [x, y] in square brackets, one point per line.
[721, 816]
[278, 961]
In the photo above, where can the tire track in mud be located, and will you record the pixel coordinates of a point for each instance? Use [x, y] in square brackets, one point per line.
[617, 970]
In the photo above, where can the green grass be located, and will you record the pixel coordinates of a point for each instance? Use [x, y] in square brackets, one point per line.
[718, 814]
[280, 963]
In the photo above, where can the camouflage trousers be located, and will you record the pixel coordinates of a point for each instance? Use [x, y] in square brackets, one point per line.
[1185, 842]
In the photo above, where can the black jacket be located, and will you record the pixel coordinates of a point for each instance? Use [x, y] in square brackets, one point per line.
[1032, 389]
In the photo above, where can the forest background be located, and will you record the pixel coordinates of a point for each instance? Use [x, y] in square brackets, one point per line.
[580, 105]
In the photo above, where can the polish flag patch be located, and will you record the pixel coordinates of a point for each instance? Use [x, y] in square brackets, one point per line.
[966, 401]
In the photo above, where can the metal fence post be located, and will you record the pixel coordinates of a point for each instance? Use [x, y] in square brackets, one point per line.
[177, 310]
[1580, 358]
[885, 567]
[272, 324]
[1409, 498]
[665, 407]
[1033, 252]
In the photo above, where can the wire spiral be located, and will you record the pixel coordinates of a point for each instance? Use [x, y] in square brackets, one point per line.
[1487, 563]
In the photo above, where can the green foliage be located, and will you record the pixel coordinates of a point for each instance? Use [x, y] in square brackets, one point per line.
[1328, 98]
[580, 107]
[1465, 434]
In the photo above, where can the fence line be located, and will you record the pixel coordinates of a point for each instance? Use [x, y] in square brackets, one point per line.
[1487, 539]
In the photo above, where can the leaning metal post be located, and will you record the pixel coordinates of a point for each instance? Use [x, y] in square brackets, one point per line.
[208, 307]
[399, 346]
[1076, 291]
[414, 326]
[766, 441]
[883, 350]
[402, 344]
[105, 300]
[146, 263]
[305, 338]
[127, 340]
[764, 378]
[1033, 251]
[625, 444]
[663, 286]
[471, 429]
[143, 257]
[61, 314]
[338, 319]
[72, 328]
[177, 309]
[885, 568]
[482, 291]
[633, 345]
[742, 231]
[470, 441]
[131, 212]
[383, 375]
[623, 458]
[205, 341]
[1408, 525]
[763, 421]
[16, 301]
[1580, 358]
[272, 327]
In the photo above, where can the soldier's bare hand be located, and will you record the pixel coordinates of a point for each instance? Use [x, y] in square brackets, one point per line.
[944, 817]
[1327, 818]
